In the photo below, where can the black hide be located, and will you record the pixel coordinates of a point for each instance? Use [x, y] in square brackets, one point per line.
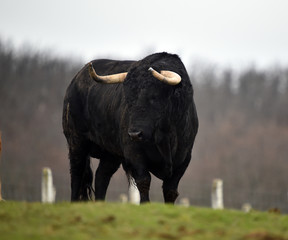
[142, 123]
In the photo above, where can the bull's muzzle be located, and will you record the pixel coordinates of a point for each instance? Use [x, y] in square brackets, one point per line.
[135, 135]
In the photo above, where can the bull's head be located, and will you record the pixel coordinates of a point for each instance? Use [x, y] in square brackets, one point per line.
[148, 105]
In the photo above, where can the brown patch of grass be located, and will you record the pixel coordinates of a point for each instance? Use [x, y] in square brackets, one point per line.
[109, 219]
[262, 236]
[76, 219]
[167, 236]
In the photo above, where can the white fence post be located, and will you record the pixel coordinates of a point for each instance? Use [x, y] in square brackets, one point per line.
[123, 198]
[184, 202]
[48, 190]
[134, 195]
[246, 207]
[217, 194]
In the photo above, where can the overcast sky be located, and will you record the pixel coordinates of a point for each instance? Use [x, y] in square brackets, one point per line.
[226, 32]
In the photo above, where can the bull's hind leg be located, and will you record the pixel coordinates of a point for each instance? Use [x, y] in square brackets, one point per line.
[107, 167]
[81, 173]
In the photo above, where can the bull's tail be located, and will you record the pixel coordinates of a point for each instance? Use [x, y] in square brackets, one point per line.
[86, 185]
[131, 180]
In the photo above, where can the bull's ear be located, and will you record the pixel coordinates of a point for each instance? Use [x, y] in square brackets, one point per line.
[167, 77]
[114, 78]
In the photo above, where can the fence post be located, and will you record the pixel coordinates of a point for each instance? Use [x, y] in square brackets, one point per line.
[0, 165]
[48, 190]
[246, 207]
[217, 194]
[184, 202]
[134, 195]
[123, 198]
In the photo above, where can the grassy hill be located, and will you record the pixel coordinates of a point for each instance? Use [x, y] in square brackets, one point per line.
[81, 221]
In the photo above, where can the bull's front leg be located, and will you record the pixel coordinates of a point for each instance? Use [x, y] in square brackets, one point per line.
[170, 189]
[138, 170]
[107, 167]
[170, 184]
[143, 181]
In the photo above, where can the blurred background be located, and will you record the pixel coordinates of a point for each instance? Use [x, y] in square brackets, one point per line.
[236, 53]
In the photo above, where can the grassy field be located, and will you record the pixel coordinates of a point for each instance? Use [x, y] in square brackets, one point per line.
[81, 221]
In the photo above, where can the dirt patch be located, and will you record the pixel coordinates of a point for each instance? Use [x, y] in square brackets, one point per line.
[109, 219]
[167, 236]
[263, 236]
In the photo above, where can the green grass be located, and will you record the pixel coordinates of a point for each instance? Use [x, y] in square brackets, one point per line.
[81, 221]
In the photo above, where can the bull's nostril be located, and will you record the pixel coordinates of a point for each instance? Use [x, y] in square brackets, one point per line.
[135, 135]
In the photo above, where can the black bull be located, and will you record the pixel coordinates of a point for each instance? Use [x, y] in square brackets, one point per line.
[144, 124]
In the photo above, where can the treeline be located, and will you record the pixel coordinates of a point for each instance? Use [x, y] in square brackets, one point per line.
[259, 95]
[32, 86]
[243, 134]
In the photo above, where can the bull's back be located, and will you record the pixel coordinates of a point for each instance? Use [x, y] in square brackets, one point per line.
[106, 66]
[92, 109]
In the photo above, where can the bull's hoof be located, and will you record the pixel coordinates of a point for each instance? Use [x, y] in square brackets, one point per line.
[170, 196]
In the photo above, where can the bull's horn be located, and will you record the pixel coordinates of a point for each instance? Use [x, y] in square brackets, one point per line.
[114, 78]
[168, 77]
